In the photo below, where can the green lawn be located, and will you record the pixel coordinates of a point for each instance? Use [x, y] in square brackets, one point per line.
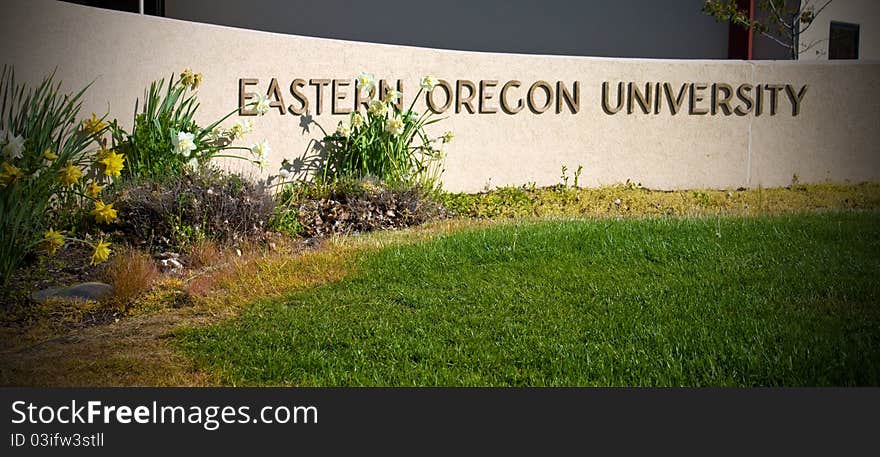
[789, 300]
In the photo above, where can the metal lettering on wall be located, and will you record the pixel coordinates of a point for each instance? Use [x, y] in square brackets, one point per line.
[539, 97]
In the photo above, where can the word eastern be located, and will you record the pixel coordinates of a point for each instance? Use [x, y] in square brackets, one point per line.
[511, 97]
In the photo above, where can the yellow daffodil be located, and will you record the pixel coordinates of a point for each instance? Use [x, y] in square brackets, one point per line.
[104, 214]
[186, 77]
[94, 125]
[49, 155]
[102, 252]
[9, 173]
[52, 241]
[93, 190]
[69, 175]
[113, 163]
[196, 82]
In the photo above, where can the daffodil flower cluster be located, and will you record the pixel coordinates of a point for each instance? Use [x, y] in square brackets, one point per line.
[62, 174]
[384, 140]
[21, 161]
[195, 146]
[51, 164]
[190, 79]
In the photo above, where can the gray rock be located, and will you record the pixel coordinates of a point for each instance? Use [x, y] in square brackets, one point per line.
[84, 291]
[170, 264]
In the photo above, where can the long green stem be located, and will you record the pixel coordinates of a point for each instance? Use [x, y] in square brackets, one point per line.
[230, 156]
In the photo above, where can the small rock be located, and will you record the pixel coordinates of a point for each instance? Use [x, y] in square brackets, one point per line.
[170, 264]
[84, 291]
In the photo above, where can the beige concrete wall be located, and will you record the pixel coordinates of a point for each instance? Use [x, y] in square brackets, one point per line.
[865, 13]
[835, 137]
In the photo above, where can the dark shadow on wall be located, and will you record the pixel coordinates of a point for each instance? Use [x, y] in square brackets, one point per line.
[313, 158]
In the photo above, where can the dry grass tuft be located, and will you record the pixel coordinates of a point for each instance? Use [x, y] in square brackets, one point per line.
[203, 253]
[260, 274]
[131, 272]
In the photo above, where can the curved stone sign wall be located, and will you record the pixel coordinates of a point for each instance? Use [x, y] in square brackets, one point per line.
[517, 119]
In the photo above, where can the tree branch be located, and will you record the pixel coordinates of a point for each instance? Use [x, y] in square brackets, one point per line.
[777, 40]
[775, 11]
[811, 45]
[814, 18]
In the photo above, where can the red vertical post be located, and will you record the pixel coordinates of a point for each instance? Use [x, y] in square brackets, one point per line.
[751, 34]
[740, 39]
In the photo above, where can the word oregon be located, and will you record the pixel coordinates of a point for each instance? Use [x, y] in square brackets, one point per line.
[340, 96]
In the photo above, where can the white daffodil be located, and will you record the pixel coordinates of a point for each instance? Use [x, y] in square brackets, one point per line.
[193, 163]
[184, 143]
[285, 174]
[240, 128]
[394, 126]
[357, 121]
[343, 130]
[391, 96]
[365, 82]
[262, 105]
[261, 150]
[447, 137]
[428, 82]
[14, 147]
[215, 134]
[378, 108]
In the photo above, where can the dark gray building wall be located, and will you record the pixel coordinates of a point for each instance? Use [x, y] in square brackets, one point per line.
[612, 28]
[764, 48]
